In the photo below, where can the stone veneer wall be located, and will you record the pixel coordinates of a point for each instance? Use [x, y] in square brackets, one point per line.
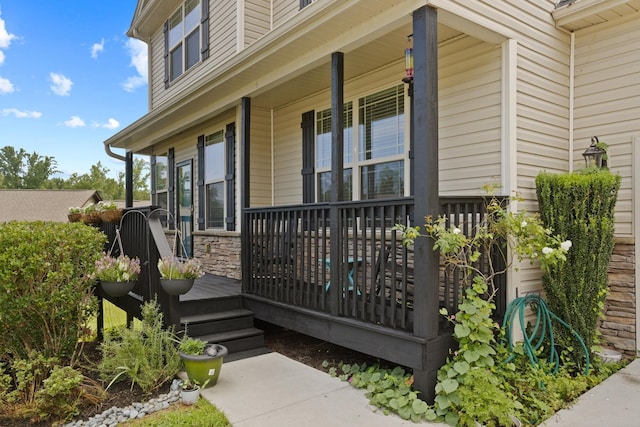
[619, 326]
[219, 253]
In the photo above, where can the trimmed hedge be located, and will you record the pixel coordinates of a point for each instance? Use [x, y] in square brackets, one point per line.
[45, 289]
[579, 207]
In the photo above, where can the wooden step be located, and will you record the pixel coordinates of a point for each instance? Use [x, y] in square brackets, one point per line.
[209, 323]
[236, 340]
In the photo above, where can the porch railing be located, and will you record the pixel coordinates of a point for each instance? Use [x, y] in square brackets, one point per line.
[287, 258]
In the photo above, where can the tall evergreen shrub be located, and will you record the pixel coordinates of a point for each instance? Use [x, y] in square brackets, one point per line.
[579, 207]
[45, 289]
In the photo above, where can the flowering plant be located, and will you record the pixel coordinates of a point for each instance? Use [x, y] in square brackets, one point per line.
[120, 269]
[173, 268]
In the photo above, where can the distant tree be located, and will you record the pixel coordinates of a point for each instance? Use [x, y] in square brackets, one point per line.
[20, 169]
[96, 179]
[141, 174]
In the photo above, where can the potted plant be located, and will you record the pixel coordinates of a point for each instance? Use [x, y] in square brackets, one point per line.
[109, 211]
[75, 214]
[90, 214]
[117, 276]
[202, 361]
[177, 276]
[189, 392]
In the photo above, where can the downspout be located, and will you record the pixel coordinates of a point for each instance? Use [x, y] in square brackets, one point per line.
[128, 165]
[572, 77]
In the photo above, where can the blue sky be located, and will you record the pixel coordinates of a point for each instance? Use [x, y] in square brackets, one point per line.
[69, 78]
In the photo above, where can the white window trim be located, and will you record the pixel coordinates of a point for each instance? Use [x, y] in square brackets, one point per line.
[212, 181]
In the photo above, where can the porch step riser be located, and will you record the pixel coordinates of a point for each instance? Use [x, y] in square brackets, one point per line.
[210, 305]
[216, 326]
[237, 340]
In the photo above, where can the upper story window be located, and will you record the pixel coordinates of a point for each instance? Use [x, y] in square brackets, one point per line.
[214, 178]
[376, 167]
[183, 39]
[305, 3]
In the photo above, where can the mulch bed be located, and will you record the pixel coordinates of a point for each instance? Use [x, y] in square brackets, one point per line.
[303, 348]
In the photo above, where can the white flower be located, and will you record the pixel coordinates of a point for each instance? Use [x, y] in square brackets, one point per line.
[546, 250]
[456, 230]
[566, 245]
[523, 224]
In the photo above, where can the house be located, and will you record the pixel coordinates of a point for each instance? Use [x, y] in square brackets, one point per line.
[43, 205]
[288, 136]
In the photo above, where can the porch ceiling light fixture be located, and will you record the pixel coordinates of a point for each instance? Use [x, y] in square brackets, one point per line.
[595, 155]
[408, 60]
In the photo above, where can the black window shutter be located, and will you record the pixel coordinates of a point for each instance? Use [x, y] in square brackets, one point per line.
[305, 3]
[152, 164]
[166, 54]
[201, 195]
[204, 29]
[230, 175]
[308, 157]
[171, 164]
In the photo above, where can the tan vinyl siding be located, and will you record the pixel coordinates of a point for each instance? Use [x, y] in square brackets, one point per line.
[283, 10]
[260, 168]
[607, 102]
[257, 20]
[469, 128]
[222, 45]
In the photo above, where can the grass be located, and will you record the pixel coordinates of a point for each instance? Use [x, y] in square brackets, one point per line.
[202, 414]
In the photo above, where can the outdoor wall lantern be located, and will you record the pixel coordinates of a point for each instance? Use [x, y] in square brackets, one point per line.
[408, 60]
[595, 155]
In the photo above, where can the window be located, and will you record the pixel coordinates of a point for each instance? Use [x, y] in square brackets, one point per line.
[214, 176]
[161, 180]
[184, 38]
[378, 169]
[323, 153]
[305, 3]
[381, 144]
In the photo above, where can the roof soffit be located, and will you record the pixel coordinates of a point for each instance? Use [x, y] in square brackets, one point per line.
[577, 14]
[149, 16]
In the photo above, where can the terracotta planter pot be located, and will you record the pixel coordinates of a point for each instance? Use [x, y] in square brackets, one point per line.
[117, 289]
[176, 286]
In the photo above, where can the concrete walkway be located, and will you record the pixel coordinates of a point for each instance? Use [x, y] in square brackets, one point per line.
[272, 390]
[614, 402]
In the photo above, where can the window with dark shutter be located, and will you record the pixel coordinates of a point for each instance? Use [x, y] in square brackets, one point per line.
[308, 157]
[305, 3]
[201, 196]
[186, 38]
[171, 165]
[230, 160]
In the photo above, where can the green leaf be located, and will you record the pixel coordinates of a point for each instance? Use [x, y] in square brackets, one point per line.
[419, 406]
[452, 418]
[471, 356]
[449, 385]
[461, 330]
[461, 367]
[442, 401]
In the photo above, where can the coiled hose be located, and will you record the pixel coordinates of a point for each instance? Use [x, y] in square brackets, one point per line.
[542, 329]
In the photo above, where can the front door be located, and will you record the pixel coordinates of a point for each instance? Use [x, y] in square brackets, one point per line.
[185, 208]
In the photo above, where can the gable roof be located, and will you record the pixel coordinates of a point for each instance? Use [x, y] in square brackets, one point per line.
[43, 205]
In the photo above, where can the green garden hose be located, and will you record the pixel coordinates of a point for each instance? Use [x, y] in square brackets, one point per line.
[543, 329]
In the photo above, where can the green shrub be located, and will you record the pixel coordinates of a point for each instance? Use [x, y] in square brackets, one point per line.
[45, 291]
[146, 356]
[579, 207]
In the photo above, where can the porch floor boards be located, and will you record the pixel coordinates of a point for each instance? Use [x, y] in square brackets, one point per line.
[212, 286]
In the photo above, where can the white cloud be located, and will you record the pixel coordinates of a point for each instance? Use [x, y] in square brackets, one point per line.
[97, 48]
[74, 122]
[5, 37]
[1, 57]
[111, 124]
[137, 51]
[20, 114]
[6, 86]
[60, 85]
